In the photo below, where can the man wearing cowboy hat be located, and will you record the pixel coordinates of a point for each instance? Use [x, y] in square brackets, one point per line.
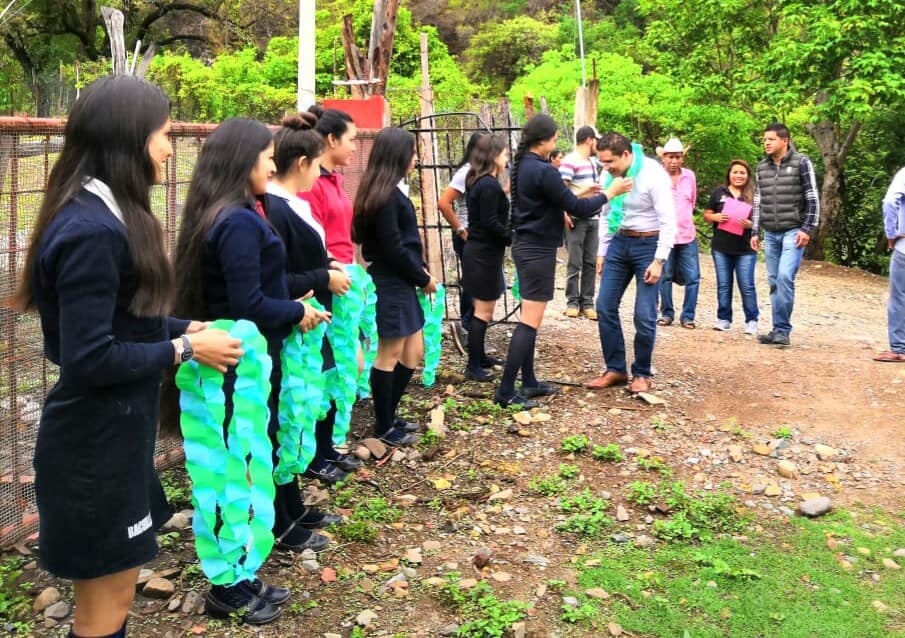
[683, 266]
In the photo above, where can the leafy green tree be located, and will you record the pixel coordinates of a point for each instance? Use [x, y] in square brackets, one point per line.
[500, 52]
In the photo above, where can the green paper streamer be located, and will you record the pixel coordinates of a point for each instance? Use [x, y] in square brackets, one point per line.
[368, 331]
[615, 214]
[302, 391]
[353, 315]
[516, 292]
[232, 476]
[433, 332]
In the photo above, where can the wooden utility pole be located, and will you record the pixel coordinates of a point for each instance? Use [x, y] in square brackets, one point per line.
[114, 21]
[586, 99]
[429, 210]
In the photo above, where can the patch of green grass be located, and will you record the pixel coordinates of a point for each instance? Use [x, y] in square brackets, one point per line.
[176, 487]
[610, 452]
[576, 443]
[428, 439]
[784, 432]
[548, 486]
[361, 528]
[784, 583]
[484, 615]
[660, 424]
[15, 603]
[642, 492]
[588, 514]
[357, 532]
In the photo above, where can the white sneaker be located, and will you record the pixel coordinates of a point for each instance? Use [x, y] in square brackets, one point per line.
[722, 324]
[751, 328]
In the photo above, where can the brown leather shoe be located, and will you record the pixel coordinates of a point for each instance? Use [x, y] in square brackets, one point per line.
[608, 380]
[640, 384]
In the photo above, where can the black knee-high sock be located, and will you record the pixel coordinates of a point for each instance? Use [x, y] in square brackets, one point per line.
[382, 393]
[116, 634]
[521, 346]
[290, 497]
[323, 435]
[528, 378]
[283, 517]
[401, 377]
[476, 343]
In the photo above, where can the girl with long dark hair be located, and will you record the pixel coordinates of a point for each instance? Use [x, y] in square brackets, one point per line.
[98, 274]
[482, 263]
[732, 252]
[458, 220]
[539, 198]
[386, 226]
[298, 149]
[329, 203]
[231, 264]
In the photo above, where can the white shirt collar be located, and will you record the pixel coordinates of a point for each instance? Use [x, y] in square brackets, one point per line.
[99, 188]
[404, 187]
[299, 206]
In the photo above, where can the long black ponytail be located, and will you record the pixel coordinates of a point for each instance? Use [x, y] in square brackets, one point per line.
[537, 129]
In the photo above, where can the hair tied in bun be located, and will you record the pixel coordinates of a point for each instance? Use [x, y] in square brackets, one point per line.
[299, 121]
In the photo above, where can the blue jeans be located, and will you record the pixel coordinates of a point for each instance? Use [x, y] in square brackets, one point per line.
[627, 258]
[895, 310]
[684, 259]
[743, 267]
[783, 260]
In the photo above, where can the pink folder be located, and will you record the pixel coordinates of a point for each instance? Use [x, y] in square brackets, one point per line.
[736, 210]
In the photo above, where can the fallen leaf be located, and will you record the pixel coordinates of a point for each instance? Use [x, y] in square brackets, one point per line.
[441, 483]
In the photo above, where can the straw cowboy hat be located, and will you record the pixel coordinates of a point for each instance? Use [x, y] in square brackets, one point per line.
[673, 145]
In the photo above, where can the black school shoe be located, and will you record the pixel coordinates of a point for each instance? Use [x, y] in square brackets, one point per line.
[478, 375]
[515, 399]
[540, 390]
[298, 539]
[406, 426]
[273, 595]
[230, 602]
[489, 362]
[312, 518]
[396, 438]
[325, 472]
[346, 463]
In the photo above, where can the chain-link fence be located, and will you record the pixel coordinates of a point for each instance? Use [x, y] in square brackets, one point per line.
[28, 150]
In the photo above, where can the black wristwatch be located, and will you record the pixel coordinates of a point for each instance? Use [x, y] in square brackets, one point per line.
[186, 353]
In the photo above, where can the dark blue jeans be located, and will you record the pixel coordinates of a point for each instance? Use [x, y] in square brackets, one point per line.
[684, 260]
[627, 258]
[466, 302]
[743, 268]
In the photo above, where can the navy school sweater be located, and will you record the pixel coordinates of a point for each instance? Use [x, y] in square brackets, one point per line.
[392, 242]
[83, 284]
[542, 198]
[488, 212]
[244, 272]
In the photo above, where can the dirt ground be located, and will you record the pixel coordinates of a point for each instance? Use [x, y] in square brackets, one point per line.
[721, 389]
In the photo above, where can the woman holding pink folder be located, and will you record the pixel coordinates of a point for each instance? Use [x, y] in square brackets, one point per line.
[729, 210]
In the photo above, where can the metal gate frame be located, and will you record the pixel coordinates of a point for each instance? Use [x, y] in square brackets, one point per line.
[448, 132]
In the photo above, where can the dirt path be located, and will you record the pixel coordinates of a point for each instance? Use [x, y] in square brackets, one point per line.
[478, 491]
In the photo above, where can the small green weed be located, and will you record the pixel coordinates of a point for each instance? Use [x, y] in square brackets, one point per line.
[576, 443]
[655, 464]
[784, 432]
[548, 486]
[588, 514]
[176, 487]
[168, 539]
[610, 452]
[428, 439]
[660, 424]
[376, 509]
[357, 532]
[568, 471]
[15, 603]
[486, 616]
[642, 492]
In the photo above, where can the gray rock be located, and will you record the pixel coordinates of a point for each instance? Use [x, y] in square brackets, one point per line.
[899, 553]
[174, 604]
[537, 560]
[309, 554]
[448, 630]
[620, 538]
[57, 611]
[785, 511]
[570, 601]
[644, 541]
[815, 506]
[177, 521]
[46, 598]
[311, 566]
[362, 453]
[193, 603]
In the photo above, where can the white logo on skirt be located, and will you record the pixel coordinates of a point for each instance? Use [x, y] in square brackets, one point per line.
[140, 527]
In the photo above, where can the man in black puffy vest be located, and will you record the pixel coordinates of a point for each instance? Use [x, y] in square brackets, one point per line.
[787, 208]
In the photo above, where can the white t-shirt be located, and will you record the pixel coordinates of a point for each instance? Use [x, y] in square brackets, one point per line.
[458, 183]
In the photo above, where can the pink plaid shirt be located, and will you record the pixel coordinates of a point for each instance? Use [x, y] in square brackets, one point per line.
[684, 195]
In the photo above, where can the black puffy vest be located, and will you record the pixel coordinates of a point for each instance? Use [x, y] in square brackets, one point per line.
[782, 202]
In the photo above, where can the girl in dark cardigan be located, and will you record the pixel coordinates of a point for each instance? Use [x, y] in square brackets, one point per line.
[539, 198]
[488, 236]
[231, 264]
[98, 274]
[385, 224]
[297, 154]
